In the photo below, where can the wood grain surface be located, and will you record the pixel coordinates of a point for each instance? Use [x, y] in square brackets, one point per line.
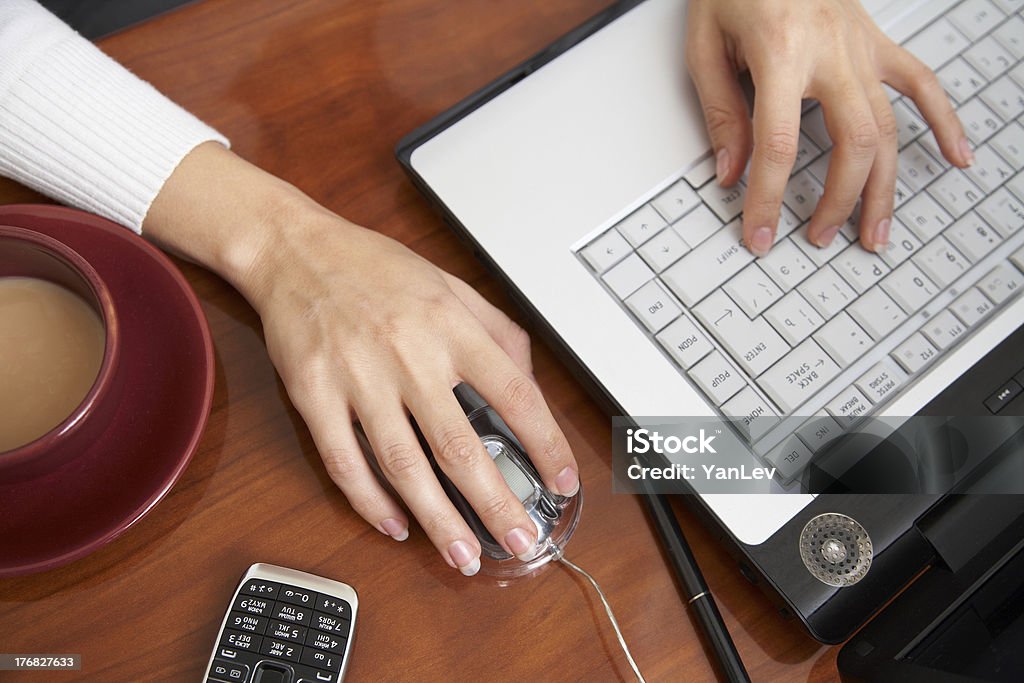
[318, 92]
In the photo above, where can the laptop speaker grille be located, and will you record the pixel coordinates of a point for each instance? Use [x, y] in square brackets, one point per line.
[836, 549]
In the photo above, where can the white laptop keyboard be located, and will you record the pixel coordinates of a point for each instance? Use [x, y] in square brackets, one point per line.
[807, 340]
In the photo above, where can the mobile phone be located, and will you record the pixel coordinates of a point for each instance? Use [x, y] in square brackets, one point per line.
[285, 626]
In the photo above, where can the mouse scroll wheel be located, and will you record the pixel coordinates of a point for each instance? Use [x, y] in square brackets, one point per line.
[547, 509]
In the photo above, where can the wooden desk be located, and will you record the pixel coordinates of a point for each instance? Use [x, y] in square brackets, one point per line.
[318, 92]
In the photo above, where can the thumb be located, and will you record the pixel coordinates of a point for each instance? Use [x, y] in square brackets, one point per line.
[725, 108]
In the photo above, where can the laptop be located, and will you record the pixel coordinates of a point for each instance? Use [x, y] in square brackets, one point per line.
[584, 179]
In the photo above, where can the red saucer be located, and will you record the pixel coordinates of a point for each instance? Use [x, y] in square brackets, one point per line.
[167, 358]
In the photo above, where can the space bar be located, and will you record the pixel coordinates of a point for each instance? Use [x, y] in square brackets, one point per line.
[708, 266]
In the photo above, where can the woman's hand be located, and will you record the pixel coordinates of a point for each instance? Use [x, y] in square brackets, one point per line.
[828, 50]
[361, 328]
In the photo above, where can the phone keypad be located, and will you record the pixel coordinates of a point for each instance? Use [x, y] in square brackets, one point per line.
[285, 628]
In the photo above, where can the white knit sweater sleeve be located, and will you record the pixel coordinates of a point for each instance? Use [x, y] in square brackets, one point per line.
[77, 126]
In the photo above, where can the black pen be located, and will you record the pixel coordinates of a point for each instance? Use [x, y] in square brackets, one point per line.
[698, 596]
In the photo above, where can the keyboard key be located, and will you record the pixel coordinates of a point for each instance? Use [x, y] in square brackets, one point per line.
[827, 291]
[980, 123]
[975, 18]
[909, 287]
[1009, 143]
[605, 251]
[880, 381]
[1005, 98]
[641, 225]
[908, 124]
[702, 172]
[1017, 258]
[989, 58]
[726, 202]
[798, 376]
[685, 342]
[752, 343]
[876, 313]
[709, 265]
[902, 244]
[717, 378]
[924, 217]
[752, 414]
[861, 268]
[788, 222]
[675, 202]
[653, 306]
[802, 194]
[941, 262]
[902, 193]
[989, 171]
[806, 152]
[794, 318]
[955, 192]
[915, 353]
[1016, 186]
[813, 125]
[698, 225]
[1010, 6]
[1017, 74]
[844, 340]
[936, 44]
[943, 330]
[753, 290]
[819, 255]
[819, 431]
[1003, 212]
[960, 80]
[1011, 36]
[1002, 283]
[789, 458]
[664, 249]
[973, 237]
[786, 265]
[917, 168]
[628, 276]
[849, 405]
[972, 307]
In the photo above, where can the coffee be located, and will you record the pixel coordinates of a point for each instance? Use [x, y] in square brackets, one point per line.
[51, 349]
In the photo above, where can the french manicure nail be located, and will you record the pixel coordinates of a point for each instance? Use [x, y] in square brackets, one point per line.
[395, 529]
[520, 543]
[722, 165]
[882, 234]
[567, 482]
[464, 558]
[966, 152]
[826, 237]
[761, 241]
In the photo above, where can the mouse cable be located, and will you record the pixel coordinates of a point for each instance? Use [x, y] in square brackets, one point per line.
[608, 610]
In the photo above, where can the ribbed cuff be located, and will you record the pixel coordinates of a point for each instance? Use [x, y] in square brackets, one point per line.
[80, 128]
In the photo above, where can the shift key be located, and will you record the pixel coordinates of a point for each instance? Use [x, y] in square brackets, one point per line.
[799, 375]
[707, 267]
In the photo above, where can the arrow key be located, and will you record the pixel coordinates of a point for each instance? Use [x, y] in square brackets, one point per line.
[605, 251]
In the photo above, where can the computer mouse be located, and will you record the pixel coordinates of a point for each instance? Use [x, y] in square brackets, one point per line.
[554, 516]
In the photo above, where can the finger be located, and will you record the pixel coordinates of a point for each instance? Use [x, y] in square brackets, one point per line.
[328, 419]
[913, 78]
[776, 133]
[725, 109]
[879, 191]
[851, 125]
[519, 402]
[404, 464]
[461, 455]
[509, 336]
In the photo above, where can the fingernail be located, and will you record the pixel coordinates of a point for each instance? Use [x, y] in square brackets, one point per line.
[966, 152]
[826, 237]
[567, 482]
[395, 529]
[520, 543]
[882, 234]
[722, 166]
[464, 558]
[761, 241]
